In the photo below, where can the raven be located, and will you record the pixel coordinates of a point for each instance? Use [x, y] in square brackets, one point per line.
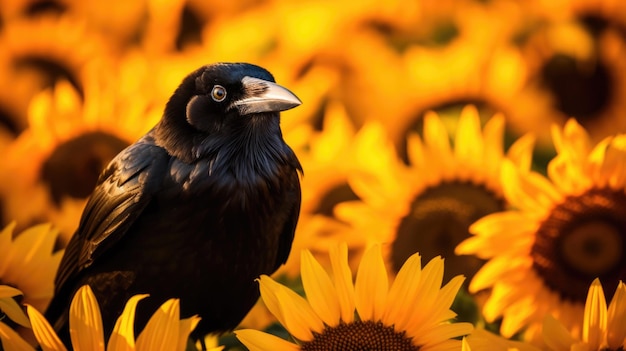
[197, 209]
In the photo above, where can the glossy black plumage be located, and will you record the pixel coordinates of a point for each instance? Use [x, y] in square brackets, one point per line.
[196, 209]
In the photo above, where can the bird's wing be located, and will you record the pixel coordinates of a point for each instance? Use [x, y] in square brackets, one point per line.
[124, 189]
[289, 229]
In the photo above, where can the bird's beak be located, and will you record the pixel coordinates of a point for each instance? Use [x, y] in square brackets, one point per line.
[264, 96]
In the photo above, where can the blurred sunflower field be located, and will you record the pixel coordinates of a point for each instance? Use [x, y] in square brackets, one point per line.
[464, 165]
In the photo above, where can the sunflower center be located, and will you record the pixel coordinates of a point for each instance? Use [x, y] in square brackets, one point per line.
[339, 193]
[360, 336]
[583, 238]
[439, 220]
[44, 7]
[9, 122]
[581, 90]
[190, 31]
[52, 70]
[74, 166]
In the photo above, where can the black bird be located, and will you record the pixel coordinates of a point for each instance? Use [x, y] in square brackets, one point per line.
[197, 209]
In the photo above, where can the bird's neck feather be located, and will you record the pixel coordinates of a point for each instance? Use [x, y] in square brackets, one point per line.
[243, 139]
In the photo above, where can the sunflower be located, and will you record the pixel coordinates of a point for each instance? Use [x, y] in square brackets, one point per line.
[368, 314]
[429, 205]
[164, 331]
[67, 144]
[46, 49]
[473, 66]
[603, 328]
[565, 231]
[575, 67]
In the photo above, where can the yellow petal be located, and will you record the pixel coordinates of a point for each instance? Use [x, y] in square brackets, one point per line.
[595, 315]
[342, 276]
[529, 191]
[268, 288]
[6, 237]
[437, 139]
[403, 290]
[9, 291]
[555, 335]
[185, 327]
[300, 319]
[123, 335]
[443, 332]
[493, 137]
[12, 341]
[521, 152]
[161, 332]
[256, 340]
[430, 282]
[371, 285]
[85, 321]
[319, 289]
[469, 140]
[616, 318]
[446, 296]
[11, 308]
[465, 346]
[415, 149]
[435, 134]
[45, 335]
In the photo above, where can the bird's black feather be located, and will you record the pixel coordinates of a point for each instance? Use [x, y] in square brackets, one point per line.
[197, 209]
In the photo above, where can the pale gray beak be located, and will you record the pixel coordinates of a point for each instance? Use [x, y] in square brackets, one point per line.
[264, 96]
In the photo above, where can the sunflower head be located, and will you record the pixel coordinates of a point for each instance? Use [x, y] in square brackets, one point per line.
[428, 206]
[68, 142]
[366, 314]
[565, 230]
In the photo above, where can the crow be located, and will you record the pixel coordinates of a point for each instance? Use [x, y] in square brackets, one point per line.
[197, 209]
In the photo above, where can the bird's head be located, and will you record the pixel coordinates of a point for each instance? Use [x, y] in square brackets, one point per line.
[221, 96]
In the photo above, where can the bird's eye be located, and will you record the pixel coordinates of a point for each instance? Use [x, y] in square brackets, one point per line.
[218, 93]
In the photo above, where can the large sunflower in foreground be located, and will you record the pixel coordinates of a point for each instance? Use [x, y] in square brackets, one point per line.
[411, 314]
[428, 206]
[67, 144]
[565, 231]
[164, 331]
[604, 329]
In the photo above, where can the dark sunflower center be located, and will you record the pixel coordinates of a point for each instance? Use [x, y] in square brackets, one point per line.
[582, 90]
[53, 71]
[439, 220]
[190, 31]
[74, 166]
[340, 193]
[10, 122]
[360, 336]
[45, 7]
[582, 239]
